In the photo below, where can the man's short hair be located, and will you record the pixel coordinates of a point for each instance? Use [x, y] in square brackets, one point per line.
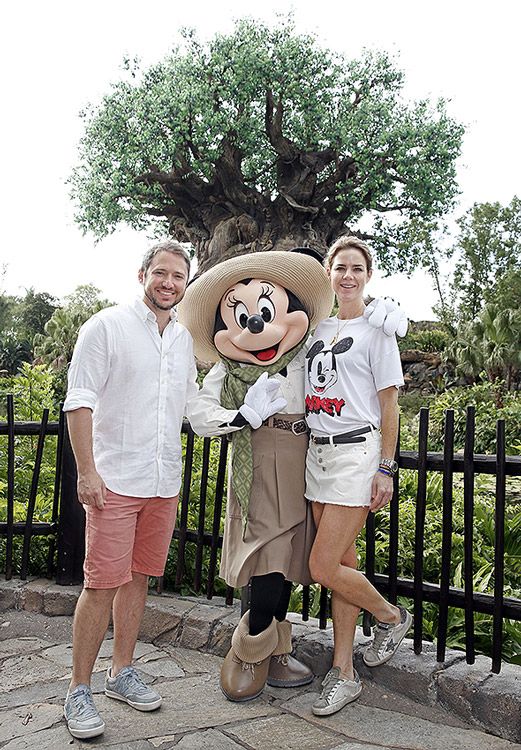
[165, 246]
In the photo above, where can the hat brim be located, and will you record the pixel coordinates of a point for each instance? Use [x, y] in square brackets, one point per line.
[300, 274]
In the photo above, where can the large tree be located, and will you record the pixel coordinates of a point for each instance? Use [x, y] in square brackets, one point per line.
[263, 139]
[489, 258]
[21, 318]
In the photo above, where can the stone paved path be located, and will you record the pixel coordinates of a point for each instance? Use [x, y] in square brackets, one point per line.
[35, 659]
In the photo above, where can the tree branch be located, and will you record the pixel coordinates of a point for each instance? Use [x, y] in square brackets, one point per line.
[298, 207]
[345, 170]
[282, 145]
[399, 207]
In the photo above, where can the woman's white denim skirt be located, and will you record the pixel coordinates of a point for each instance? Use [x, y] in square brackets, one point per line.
[343, 474]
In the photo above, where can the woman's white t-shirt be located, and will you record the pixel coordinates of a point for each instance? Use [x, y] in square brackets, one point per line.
[343, 376]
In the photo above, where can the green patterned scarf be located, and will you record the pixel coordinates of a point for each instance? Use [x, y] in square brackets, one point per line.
[237, 381]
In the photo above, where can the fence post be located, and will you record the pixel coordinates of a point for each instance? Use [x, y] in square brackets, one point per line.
[71, 522]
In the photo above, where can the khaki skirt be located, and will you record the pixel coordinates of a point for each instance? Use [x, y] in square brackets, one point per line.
[280, 529]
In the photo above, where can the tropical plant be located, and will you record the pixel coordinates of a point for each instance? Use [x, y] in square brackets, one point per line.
[54, 347]
[13, 353]
[490, 345]
[20, 319]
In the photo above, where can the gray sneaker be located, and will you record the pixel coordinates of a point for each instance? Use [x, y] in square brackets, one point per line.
[128, 686]
[81, 715]
[386, 639]
[336, 693]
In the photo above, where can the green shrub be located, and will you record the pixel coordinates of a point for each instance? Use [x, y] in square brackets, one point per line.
[187, 587]
[434, 340]
[485, 398]
[32, 391]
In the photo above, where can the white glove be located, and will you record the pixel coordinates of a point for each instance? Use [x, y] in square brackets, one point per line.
[261, 402]
[386, 314]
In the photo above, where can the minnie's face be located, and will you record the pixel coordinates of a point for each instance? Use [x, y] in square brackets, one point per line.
[258, 327]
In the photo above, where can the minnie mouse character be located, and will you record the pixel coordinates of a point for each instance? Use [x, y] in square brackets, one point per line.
[254, 313]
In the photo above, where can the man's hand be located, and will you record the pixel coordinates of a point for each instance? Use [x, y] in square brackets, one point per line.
[91, 489]
[386, 314]
[262, 401]
[381, 491]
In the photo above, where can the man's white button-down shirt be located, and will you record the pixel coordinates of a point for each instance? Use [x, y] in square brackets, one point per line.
[137, 383]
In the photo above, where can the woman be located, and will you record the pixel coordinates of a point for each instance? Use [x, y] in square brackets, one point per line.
[353, 376]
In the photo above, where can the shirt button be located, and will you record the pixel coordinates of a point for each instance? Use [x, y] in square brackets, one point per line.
[319, 450]
[319, 460]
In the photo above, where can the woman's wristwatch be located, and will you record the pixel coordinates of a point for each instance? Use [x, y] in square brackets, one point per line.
[388, 466]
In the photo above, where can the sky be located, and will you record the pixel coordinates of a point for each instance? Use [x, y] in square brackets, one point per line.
[56, 57]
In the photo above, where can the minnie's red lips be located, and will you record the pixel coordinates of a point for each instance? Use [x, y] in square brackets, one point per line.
[265, 355]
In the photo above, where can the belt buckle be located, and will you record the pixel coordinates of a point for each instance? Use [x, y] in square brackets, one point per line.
[299, 427]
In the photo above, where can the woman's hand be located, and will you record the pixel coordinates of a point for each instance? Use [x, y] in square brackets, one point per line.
[381, 491]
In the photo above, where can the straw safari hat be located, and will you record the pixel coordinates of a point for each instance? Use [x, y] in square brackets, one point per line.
[298, 273]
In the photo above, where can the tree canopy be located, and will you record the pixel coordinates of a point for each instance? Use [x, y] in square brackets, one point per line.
[21, 318]
[263, 139]
[484, 310]
[489, 263]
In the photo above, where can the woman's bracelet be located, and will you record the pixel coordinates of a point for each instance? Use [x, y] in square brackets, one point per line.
[384, 471]
[389, 465]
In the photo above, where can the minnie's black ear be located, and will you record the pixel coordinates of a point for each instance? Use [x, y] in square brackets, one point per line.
[308, 251]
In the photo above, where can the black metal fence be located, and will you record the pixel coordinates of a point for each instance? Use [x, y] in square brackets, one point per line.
[66, 525]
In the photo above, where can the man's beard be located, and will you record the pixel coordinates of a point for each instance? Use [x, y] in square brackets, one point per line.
[151, 298]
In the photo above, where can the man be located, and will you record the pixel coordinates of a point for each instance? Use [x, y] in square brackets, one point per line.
[130, 377]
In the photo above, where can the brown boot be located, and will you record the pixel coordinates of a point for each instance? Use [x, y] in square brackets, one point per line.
[245, 667]
[285, 670]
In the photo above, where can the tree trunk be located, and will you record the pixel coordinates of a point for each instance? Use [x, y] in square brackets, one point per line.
[281, 230]
[228, 216]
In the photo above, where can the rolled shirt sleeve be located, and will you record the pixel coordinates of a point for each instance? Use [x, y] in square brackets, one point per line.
[85, 383]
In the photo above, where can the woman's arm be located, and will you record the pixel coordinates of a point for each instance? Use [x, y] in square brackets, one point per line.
[388, 399]
[382, 488]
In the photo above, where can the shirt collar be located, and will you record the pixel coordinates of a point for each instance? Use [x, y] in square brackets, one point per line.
[145, 313]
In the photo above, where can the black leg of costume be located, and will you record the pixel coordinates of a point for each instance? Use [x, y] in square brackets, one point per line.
[282, 607]
[269, 598]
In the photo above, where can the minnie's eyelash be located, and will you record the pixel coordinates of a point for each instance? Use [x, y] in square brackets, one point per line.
[267, 291]
[232, 302]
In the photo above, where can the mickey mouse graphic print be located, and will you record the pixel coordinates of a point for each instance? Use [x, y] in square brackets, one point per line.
[348, 362]
[343, 376]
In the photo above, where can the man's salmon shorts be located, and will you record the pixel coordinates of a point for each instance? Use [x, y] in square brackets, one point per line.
[128, 535]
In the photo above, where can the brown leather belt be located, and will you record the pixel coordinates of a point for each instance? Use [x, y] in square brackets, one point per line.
[298, 427]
